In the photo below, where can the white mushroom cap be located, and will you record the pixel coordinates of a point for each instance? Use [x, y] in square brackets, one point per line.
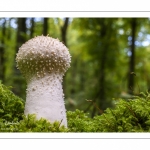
[41, 56]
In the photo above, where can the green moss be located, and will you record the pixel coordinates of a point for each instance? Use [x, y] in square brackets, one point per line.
[11, 106]
[131, 115]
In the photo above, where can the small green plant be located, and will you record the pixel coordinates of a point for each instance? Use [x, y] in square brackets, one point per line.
[132, 115]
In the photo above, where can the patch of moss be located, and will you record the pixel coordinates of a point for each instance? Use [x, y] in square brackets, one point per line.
[11, 106]
[132, 115]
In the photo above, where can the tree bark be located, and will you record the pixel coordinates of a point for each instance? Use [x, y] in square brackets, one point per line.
[9, 29]
[100, 95]
[132, 57]
[64, 40]
[2, 52]
[32, 28]
[45, 26]
[64, 31]
[101, 103]
[21, 36]
[20, 39]
[21, 32]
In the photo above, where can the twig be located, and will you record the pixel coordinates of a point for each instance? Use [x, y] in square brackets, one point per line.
[95, 106]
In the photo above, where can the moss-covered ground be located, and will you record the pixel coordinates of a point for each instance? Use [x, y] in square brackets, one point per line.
[132, 115]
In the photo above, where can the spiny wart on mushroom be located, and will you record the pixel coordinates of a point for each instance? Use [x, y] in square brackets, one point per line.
[43, 61]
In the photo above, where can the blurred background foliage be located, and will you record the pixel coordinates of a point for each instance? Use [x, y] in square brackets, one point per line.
[110, 57]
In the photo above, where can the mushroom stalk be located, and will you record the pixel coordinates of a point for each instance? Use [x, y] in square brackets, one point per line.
[45, 99]
[43, 61]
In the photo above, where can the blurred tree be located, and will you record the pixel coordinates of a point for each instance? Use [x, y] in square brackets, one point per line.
[32, 27]
[9, 28]
[132, 56]
[63, 29]
[45, 26]
[2, 51]
[21, 33]
[21, 37]
[100, 49]
[106, 51]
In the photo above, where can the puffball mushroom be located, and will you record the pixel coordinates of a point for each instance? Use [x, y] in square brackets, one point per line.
[43, 61]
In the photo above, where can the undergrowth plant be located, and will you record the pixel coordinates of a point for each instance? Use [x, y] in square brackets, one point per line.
[132, 115]
[11, 106]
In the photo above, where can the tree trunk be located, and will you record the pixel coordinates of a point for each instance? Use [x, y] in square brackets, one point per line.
[21, 36]
[102, 67]
[45, 26]
[9, 29]
[64, 31]
[32, 28]
[2, 53]
[21, 32]
[20, 39]
[100, 95]
[132, 57]
[63, 37]
[102, 80]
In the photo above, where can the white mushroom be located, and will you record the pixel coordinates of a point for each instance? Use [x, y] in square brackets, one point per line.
[43, 61]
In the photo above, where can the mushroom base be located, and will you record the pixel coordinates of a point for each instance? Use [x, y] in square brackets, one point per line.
[45, 98]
